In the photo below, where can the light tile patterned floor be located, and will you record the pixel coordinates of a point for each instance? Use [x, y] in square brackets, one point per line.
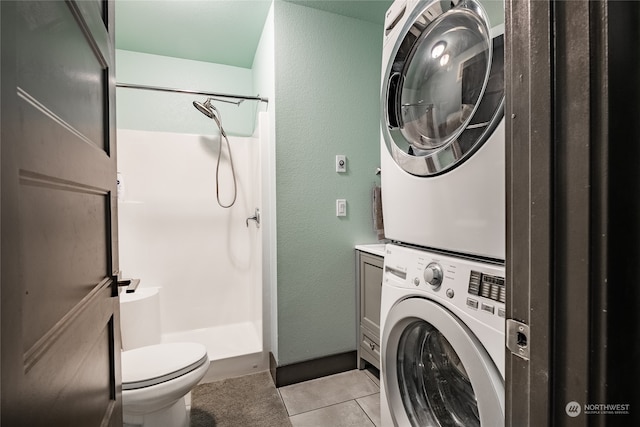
[347, 399]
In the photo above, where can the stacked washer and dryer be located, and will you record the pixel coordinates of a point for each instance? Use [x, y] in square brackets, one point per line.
[443, 197]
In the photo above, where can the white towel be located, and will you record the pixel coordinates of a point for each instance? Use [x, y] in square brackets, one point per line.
[378, 220]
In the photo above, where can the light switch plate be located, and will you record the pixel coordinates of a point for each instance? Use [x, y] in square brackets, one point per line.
[341, 207]
[341, 163]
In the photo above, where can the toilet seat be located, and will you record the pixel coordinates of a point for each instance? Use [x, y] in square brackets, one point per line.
[151, 365]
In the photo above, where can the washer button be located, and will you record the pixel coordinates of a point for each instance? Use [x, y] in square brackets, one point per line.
[488, 308]
[502, 312]
[450, 293]
[472, 303]
[416, 281]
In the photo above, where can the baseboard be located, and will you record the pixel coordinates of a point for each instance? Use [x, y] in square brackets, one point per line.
[315, 368]
[273, 365]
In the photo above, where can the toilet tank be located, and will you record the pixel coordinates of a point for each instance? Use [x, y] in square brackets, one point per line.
[140, 318]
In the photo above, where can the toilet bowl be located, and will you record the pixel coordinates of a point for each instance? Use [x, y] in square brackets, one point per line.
[155, 377]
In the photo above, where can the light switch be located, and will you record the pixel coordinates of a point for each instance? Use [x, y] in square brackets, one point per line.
[341, 163]
[341, 207]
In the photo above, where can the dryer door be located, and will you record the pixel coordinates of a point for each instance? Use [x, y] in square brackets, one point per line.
[436, 372]
[434, 86]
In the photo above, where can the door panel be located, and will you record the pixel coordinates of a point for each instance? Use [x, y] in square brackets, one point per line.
[49, 292]
[60, 312]
[60, 66]
[72, 388]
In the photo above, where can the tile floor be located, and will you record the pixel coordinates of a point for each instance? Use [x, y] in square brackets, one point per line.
[347, 399]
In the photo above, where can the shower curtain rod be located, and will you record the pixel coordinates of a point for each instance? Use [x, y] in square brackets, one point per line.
[193, 92]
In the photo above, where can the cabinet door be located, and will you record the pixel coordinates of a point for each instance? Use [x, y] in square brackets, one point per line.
[371, 290]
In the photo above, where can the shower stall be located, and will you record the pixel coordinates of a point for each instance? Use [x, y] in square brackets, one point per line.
[189, 224]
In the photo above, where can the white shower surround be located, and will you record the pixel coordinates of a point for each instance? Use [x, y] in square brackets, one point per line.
[173, 235]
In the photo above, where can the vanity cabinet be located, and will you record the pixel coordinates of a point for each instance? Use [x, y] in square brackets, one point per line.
[369, 276]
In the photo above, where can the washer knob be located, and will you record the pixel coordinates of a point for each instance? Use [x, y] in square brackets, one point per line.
[433, 275]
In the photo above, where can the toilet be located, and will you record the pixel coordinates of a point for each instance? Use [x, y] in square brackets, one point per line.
[156, 377]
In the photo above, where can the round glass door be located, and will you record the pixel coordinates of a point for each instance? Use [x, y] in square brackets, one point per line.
[435, 386]
[435, 370]
[435, 85]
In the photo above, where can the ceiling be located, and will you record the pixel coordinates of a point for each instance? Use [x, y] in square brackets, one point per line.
[219, 31]
[367, 10]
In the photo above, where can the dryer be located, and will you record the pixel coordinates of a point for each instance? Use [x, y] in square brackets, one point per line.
[442, 127]
[443, 332]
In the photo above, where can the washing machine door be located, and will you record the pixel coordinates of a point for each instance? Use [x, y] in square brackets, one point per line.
[443, 88]
[436, 372]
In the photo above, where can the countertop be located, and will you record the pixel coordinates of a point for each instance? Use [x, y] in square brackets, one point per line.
[374, 249]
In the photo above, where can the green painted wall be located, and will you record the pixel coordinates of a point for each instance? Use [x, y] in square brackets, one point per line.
[495, 11]
[327, 84]
[171, 112]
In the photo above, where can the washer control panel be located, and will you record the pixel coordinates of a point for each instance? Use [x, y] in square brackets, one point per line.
[476, 287]
[489, 287]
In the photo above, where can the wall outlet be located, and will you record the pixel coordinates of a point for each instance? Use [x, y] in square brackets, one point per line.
[341, 207]
[341, 163]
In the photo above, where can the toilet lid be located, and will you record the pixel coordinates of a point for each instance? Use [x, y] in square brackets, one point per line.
[155, 364]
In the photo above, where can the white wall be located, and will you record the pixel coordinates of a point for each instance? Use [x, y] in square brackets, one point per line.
[264, 84]
[174, 235]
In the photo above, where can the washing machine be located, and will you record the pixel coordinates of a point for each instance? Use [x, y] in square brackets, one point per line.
[443, 340]
[442, 126]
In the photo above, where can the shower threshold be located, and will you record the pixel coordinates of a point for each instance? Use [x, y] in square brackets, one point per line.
[233, 350]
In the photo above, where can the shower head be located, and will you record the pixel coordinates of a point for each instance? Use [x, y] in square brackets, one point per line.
[206, 108]
[209, 110]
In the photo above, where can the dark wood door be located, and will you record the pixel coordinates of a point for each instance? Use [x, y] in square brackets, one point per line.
[573, 212]
[59, 321]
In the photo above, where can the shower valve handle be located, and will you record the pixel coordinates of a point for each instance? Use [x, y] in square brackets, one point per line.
[255, 217]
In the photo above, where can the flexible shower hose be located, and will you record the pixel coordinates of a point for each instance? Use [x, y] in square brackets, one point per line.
[223, 134]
